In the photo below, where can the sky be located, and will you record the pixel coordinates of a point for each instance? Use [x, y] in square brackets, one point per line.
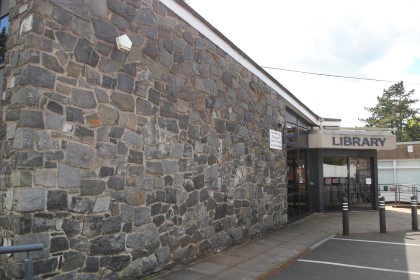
[364, 39]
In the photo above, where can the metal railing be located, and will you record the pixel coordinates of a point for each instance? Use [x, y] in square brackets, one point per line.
[22, 249]
[398, 194]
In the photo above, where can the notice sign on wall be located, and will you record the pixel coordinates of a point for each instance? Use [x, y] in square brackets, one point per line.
[275, 140]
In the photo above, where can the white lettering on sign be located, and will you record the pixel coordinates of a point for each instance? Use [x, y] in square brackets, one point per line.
[275, 140]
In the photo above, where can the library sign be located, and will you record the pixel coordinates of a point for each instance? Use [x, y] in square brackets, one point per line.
[365, 140]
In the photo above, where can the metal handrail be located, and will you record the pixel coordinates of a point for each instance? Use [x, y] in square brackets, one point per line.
[402, 192]
[24, 248]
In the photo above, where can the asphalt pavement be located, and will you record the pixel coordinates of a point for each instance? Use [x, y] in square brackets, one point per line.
[298, 250]
[373, 256]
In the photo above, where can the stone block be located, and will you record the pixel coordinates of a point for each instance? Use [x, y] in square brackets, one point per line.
[45, 266]
[57, 200]
[135, 157]
[20, 179]
[81, 204]
[105, 30]
[109, 82]
[79, 155]
[72, 260]
[122, 101]
[68, 177]
[143, 107]
[71, 227]
[38, 77]
[108, 244]
[21, 224]
[85, 54]
[44, 141]
[150, 49]
[43, 222]
[83, 98]
[92, 187]
[125, 83]
[106, 171]
[75, 7]
[29, 200]
[51, 63]
[67, 41]
[102, 204]
[155, 168]
[112, 225]
[116, 183]
[135, 196]
[133, 139]
[142, 216]
[108, 115]
[129, 120]
[146, 16]
[23, 139]
[58, 244]
[84, 134]
[106, 150]
[31, 119]
[53, 121]
[74, 115]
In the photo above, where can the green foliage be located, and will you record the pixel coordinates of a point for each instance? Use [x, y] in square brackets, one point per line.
[411, 132]
[3, 39]
[394, 110]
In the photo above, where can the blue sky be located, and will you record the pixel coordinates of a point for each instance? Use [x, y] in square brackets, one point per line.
[372, 39]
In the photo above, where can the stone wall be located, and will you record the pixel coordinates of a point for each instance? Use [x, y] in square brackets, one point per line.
[123, 164]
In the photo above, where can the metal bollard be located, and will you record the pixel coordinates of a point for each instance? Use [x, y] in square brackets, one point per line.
[382, 218]
[345, 216]
[414, 213]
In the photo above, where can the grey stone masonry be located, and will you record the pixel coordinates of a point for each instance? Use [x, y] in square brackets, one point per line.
[127, 163]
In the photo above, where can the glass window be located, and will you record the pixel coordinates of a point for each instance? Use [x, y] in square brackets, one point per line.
[291, 133]
[291, 117]
[303, 137]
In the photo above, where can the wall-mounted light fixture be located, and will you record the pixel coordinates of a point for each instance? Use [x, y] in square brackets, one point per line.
[124, 43]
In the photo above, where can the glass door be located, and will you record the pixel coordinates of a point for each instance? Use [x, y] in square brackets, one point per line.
[361, 182]
[350, 177]
[335, 181]
[297, 190]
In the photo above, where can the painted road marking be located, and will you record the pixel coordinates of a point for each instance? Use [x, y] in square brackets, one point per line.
[361, 267]
[379, 242]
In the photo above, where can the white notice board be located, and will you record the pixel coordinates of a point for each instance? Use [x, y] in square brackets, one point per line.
[275, 140]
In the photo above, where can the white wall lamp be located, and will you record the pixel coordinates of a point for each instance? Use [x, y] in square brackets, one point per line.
[124, 43]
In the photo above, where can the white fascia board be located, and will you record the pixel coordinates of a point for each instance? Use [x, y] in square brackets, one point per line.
[213, 37]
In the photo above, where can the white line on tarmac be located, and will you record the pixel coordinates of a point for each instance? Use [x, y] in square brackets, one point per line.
[380, 242]
[361, 267]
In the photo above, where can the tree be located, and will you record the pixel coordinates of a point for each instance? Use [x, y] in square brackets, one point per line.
[393, 110]
[3, 39]
[412, 130]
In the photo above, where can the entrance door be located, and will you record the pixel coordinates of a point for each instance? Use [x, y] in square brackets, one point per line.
[297, 190]
[360, 183]
[350, 177]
